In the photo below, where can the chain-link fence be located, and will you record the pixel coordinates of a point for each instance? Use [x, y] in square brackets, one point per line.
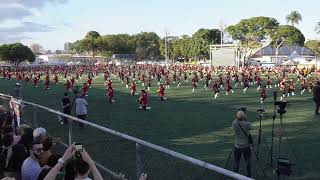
[116, 153]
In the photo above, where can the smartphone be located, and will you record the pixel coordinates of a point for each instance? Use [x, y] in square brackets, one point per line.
[78, 147]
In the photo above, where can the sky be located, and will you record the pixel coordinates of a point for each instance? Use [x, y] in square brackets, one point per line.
[51, 23]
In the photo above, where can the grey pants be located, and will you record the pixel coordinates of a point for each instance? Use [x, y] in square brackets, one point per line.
[237, 153]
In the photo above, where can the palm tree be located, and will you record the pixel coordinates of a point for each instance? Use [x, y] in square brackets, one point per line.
[294, 18]
[318, 28]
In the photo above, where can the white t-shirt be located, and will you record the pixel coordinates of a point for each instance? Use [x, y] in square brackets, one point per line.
[81, 106]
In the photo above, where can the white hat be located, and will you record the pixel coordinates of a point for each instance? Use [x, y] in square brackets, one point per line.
[18, 84]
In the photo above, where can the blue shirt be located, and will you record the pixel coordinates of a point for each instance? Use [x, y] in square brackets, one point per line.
[30, 169]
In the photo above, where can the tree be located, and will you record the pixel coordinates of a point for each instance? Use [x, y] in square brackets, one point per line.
[202, 40]
[317, 29]
[90, 42]
[287, 35]
[250, 33]
[314, 45]
[36, 48]
[147, 46]
[16, 53]
[294, 18]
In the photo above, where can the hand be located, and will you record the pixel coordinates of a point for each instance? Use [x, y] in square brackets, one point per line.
[69, 153]
[143, 176]
[85, 156]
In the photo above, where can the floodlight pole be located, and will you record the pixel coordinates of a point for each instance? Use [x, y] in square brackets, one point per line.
[166, 46]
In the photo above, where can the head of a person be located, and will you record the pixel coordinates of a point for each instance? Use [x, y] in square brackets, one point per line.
[47, 143]
[82, 168]
[70, 172]
[36, 149]
[241, 116]
[18, 85]
[39, 134]
[318, 83]
[65, 94]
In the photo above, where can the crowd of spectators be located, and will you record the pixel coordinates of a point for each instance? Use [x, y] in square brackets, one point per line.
[26, 154]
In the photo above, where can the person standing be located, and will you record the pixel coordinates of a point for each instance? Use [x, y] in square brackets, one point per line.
[66, 106]
[316, 96]
[81, 108]
[241, 130]
[17, 91]
[31, 169]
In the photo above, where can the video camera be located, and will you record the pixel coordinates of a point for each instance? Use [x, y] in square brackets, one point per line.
[281, 106]
[244, 109]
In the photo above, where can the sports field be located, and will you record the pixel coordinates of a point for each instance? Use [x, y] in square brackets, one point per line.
[190, 123]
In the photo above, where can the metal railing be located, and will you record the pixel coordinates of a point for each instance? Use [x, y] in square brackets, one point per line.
[175, 159]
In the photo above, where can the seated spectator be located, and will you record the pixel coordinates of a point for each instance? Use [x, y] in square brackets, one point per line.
[31, 168]
[47, 145]
[39, 134]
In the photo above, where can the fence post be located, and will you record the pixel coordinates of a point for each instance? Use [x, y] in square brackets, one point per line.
[34, 116]
[138, 161]
[70, 130]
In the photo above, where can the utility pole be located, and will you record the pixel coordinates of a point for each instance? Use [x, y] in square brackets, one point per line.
[221, 32]
[166, 46]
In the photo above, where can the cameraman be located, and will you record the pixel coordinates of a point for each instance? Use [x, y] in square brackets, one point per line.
[241, 130]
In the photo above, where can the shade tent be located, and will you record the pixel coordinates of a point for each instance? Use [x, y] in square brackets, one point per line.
[289, 63]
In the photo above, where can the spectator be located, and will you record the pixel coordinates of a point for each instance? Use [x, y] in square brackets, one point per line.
[31, 169]
[47, 145]
[39, 134]
[66, 105]
[83, 166]
[17, 91]
[44, 173]
[81, 108]
[316, 96]
[27, 138]
[11, 156]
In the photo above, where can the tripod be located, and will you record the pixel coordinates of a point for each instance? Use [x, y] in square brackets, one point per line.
[255, 154]
[260, 135]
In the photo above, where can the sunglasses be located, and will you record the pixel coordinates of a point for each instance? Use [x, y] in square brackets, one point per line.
[39, 150]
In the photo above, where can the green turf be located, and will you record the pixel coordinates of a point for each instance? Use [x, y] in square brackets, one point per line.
[190, 123]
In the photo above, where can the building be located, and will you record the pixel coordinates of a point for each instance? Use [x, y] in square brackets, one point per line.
[67, 47]
[268, 54]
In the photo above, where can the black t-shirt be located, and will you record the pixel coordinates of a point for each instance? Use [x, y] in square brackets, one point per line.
[65, 101]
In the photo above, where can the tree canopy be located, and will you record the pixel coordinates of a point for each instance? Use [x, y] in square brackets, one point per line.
[251, 32]
[314, 45]
[287, 35]
[16, 53]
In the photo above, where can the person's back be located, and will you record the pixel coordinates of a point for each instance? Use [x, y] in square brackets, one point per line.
[81, 108]
[241, 140]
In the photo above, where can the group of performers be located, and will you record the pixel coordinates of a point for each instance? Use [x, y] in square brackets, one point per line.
[219, 78]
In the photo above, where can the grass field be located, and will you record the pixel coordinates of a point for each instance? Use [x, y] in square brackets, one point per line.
[190, 123]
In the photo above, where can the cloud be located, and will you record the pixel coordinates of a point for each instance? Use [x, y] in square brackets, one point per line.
[27, 27]
[38, 4]
[13, 11]
[17, 33]
[19, 9]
